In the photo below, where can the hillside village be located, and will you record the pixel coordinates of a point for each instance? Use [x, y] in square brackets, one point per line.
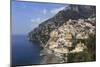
[67, 38]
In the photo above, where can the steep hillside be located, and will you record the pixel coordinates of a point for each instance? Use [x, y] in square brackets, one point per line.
[69, 36]
[42, 33]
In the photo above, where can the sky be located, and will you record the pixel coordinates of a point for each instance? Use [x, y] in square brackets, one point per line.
[28, 15]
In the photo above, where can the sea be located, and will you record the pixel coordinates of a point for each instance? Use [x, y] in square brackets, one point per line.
[24, 52]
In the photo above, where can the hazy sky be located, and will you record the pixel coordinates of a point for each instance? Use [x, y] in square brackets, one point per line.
[27, 15]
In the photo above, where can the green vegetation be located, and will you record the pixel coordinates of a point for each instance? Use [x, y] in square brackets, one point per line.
[88, 54]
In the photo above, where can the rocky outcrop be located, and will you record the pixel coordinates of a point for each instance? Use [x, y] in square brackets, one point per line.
[69, 38]
[74, 12]
[66, 33]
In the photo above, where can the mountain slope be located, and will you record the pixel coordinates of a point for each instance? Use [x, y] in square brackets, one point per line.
[42, 33]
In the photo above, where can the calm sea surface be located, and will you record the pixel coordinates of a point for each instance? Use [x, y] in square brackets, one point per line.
[24, 52]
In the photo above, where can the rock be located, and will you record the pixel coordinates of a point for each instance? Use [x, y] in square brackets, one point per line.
[59, 34]
[42, 33]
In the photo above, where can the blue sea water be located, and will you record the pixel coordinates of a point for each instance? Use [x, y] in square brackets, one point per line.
[23, 51]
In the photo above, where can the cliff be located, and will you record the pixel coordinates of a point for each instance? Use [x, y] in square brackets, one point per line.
[42, 33]
[66, 34]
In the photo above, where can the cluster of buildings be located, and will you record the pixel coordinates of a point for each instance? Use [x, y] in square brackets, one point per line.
[62, 39]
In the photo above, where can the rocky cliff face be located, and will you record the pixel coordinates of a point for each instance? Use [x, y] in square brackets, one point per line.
[69, 36]
[72, 37]
[42, 33]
